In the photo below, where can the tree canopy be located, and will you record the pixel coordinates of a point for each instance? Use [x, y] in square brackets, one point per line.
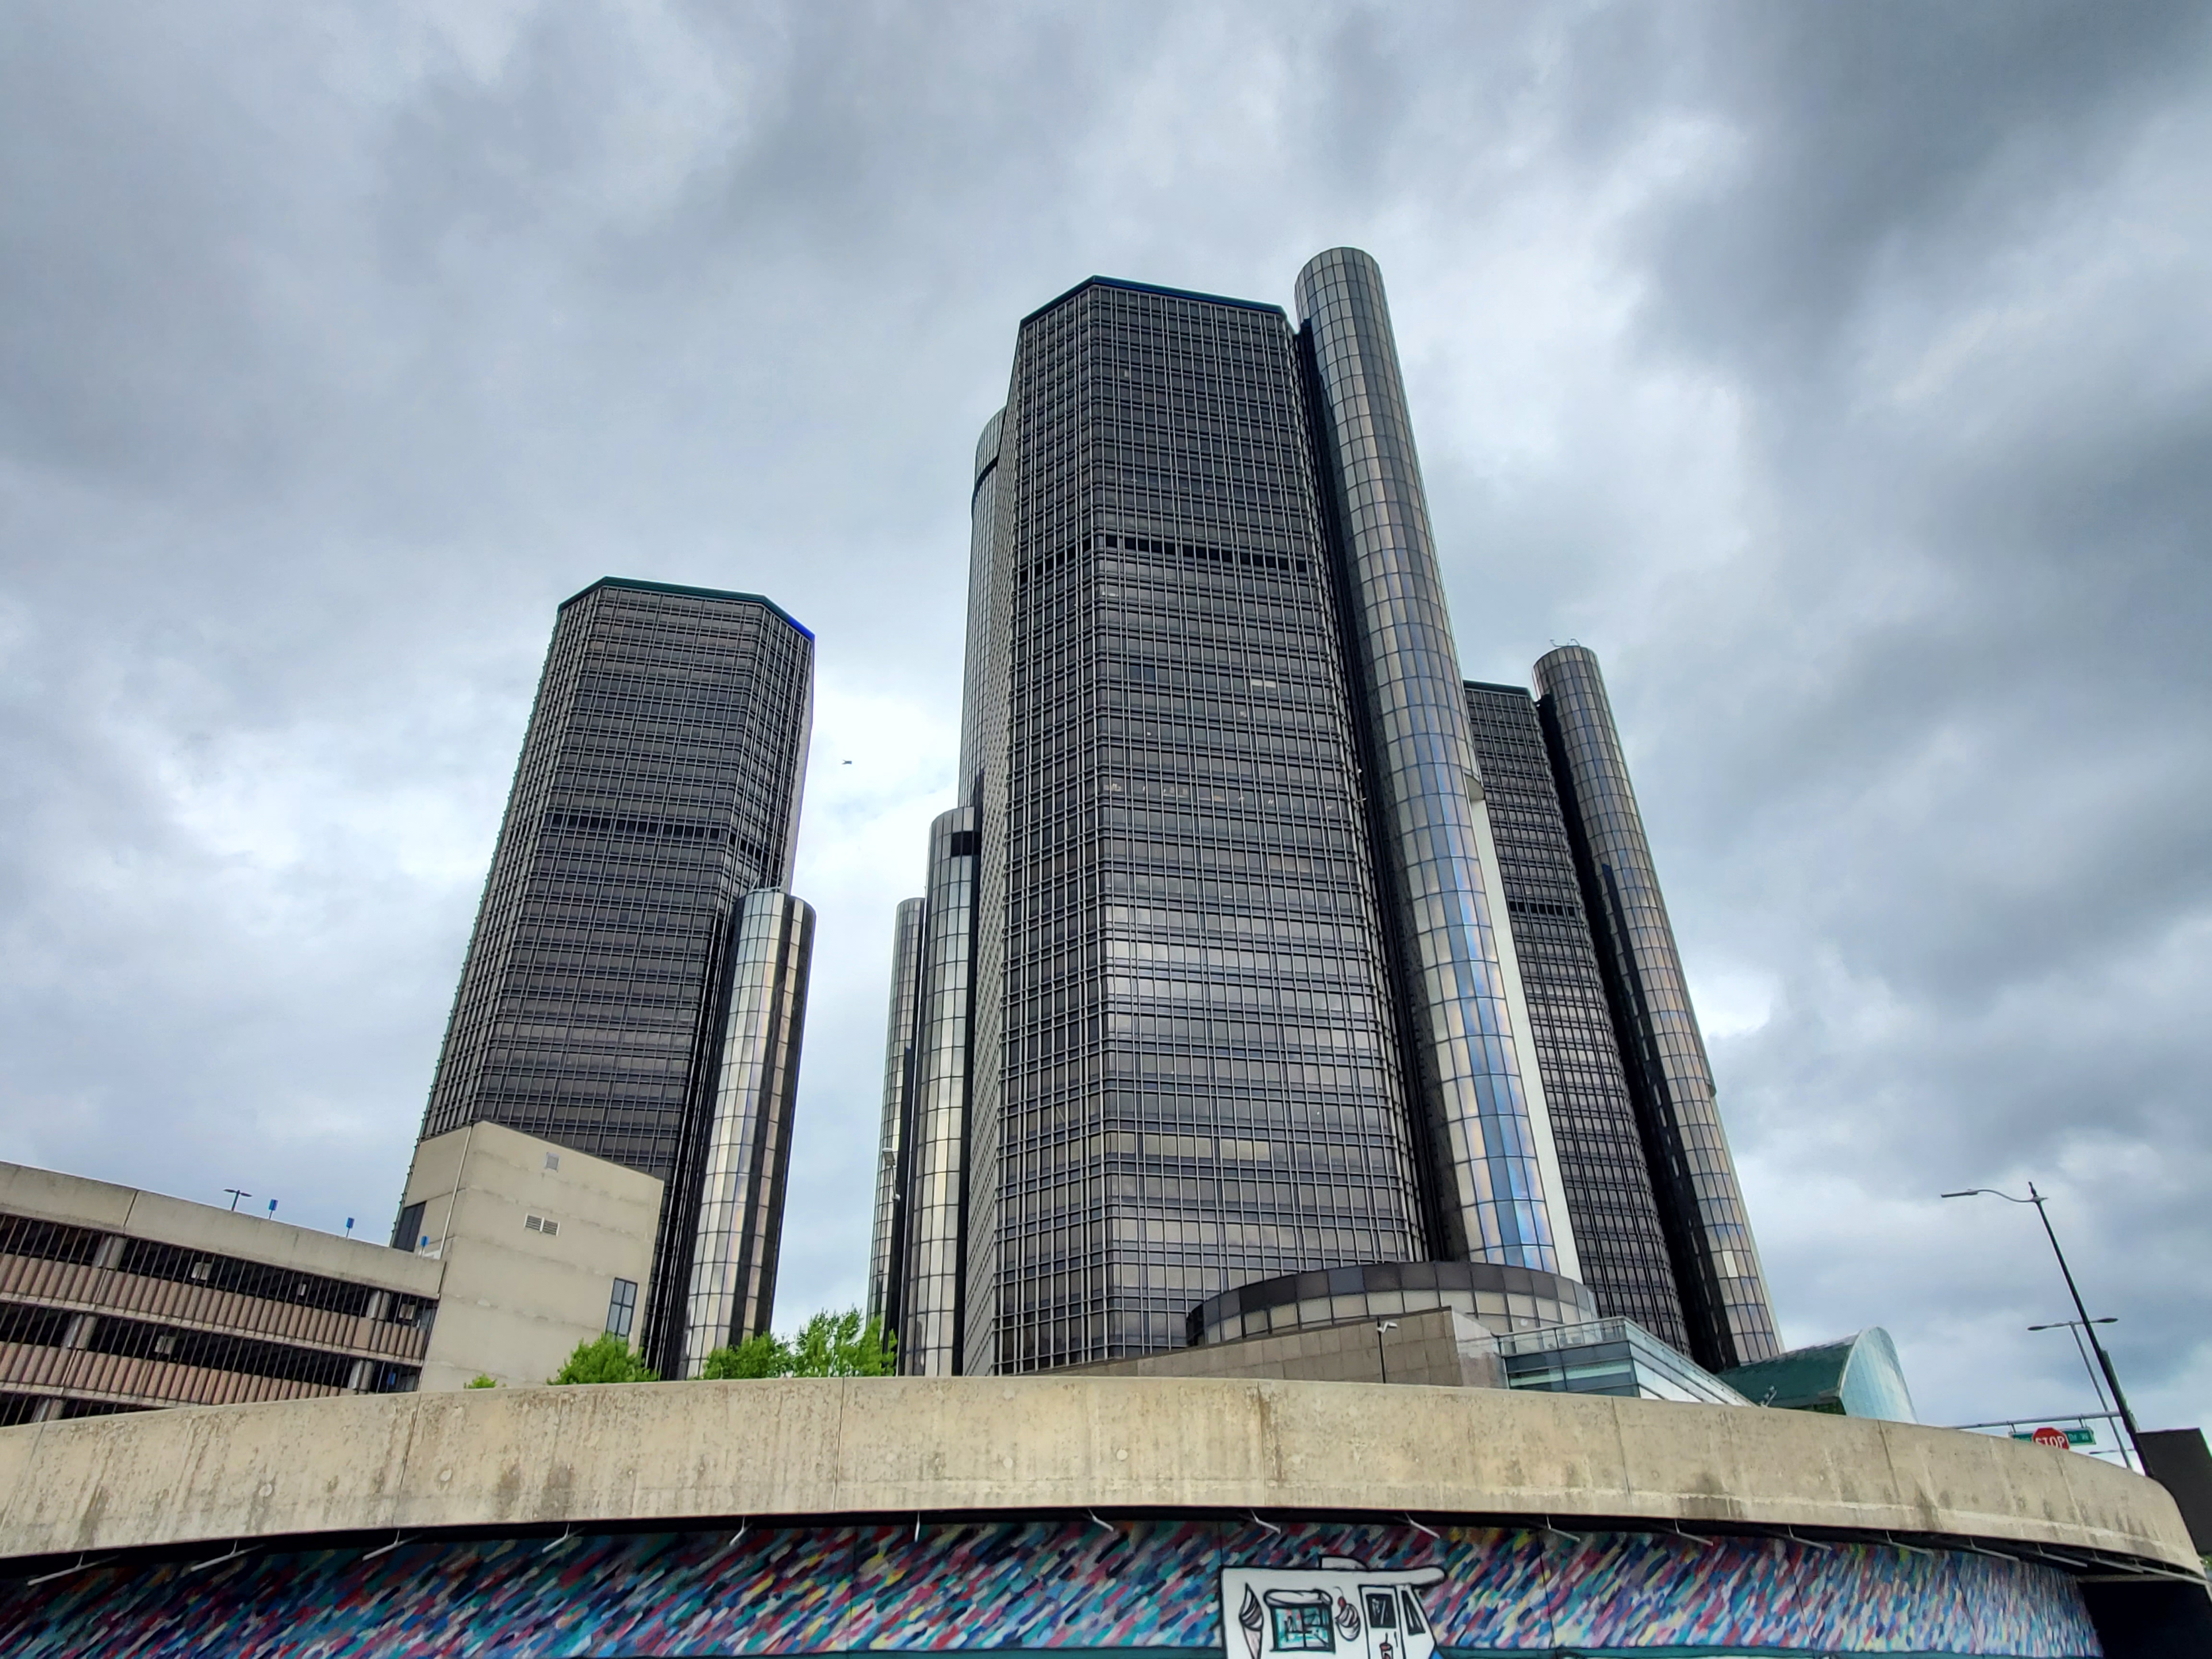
[608, 1359]
[828, 1345]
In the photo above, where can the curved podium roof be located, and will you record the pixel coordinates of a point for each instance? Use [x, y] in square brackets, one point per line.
[615, 1456]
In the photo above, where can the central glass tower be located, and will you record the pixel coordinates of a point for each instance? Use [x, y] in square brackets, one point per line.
[1213, 981]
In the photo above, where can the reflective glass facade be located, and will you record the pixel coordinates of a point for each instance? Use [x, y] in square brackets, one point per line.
[1858, 1376]
[1614, 1356]
[928, 1327]
[1462, 1047]
[885, 1246]
[1501, 1298]
[1619, 1244]
[982, 706]
[1245, 994]
[984, 786]
[730, 1292]
[1717, 1273]
[659, 784]
[1197, 1078]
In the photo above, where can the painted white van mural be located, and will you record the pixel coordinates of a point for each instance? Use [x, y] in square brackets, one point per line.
[1337, 1607]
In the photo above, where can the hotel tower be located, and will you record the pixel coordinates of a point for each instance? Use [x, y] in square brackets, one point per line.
[1259, 942]
[635, 985]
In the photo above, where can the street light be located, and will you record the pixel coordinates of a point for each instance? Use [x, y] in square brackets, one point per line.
[2088, 1325]
[2073, 1328]
[1380, 1360]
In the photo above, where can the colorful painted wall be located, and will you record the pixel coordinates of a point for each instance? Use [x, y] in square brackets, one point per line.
[1168, 1587]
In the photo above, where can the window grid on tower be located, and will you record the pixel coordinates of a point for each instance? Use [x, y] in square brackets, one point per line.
[1198, 1081]
[1619, 1243]
[658, 785]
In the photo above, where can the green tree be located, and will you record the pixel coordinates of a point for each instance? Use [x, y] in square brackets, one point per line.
[608, 1359]
[828, 1345]
[765, 1355]
[840, 1345]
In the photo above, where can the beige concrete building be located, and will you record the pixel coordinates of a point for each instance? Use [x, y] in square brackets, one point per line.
[113, 1299]
[541, 1247]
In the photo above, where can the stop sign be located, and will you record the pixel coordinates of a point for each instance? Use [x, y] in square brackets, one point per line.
[2050, 1437]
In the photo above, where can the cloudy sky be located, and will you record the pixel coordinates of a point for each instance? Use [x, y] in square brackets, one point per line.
[1843, 375]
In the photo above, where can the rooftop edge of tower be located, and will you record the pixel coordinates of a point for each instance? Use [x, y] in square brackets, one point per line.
[1152, 287]
[1345, 255]
[635, 585]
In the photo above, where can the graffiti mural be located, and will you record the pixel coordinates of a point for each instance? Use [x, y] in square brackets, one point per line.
[1338, 1606]
[1167, 1588]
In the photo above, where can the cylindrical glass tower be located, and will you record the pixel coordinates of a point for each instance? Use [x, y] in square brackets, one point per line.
[731, 1295]
[929, 1329]
[1491, 1201]
[1716, 1264]
[979, 729]
[885, 1249]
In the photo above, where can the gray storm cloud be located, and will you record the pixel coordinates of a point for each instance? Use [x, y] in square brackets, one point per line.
[1841, 374]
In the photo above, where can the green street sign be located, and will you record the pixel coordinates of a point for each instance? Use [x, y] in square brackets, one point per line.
[2050, 1437]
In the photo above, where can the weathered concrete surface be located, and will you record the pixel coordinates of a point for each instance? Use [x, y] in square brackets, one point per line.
[700, 1450]
[515, 1302]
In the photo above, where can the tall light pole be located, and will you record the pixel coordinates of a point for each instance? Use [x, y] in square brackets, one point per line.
[1380, 1360]
[2088, 1325]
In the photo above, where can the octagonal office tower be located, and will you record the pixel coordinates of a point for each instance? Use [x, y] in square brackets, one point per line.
[635, 988]
[1216, 983]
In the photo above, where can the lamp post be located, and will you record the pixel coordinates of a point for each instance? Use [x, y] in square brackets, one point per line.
[1380, 1360]
[2089, 1326]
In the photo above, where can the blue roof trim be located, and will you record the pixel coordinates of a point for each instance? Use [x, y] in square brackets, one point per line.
[1152, 287]
[688, 592]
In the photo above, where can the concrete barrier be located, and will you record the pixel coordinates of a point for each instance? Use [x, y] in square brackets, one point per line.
[698, 1451]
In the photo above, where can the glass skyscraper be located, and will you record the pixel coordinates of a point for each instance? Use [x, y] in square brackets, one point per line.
[635, 984]
[1216, 978]
[1716, 1268]
[1606, 1179]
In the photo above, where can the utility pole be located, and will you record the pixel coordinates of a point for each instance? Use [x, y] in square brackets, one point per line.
[2088, 1325]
